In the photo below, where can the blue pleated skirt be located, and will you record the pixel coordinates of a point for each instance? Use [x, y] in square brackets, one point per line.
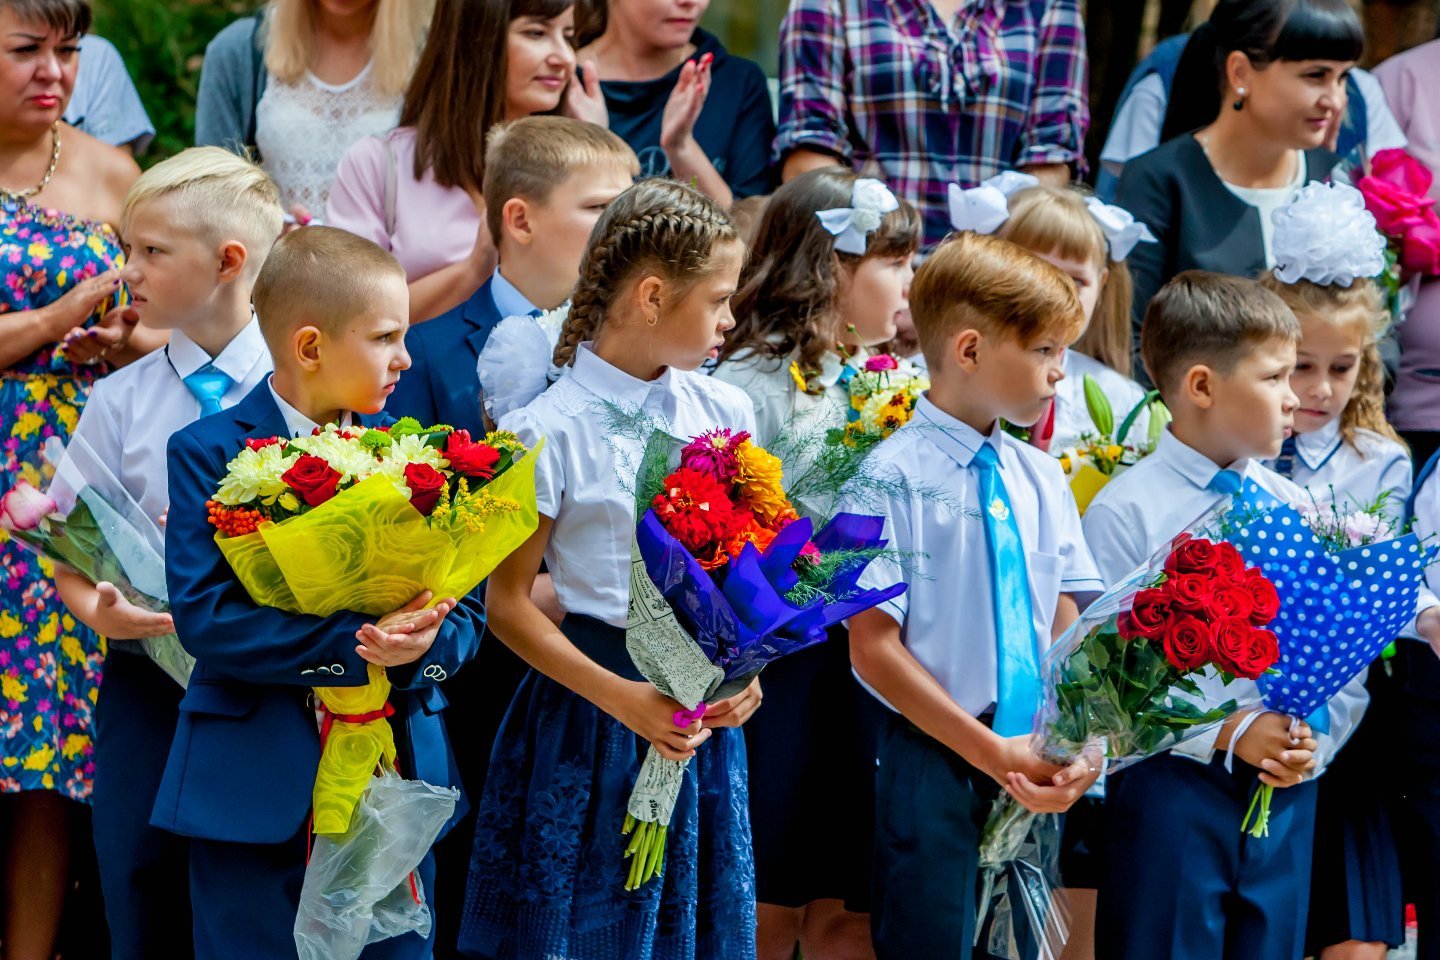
[547, 872]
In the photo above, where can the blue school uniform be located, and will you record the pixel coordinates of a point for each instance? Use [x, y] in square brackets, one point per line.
[930, 804]
[119, 449]
[547, 875]
[1181, 879]
[1420, 716]
[241, 769]
[441, 385]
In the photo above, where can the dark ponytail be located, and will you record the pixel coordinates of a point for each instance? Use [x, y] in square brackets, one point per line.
[1263, 30]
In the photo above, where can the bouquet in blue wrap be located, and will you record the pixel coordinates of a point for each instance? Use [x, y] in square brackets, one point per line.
[725, 577]
[1348, 585]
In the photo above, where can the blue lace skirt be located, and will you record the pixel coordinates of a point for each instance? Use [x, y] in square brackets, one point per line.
[547, 873]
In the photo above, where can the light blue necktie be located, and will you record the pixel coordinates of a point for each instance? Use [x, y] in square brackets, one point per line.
[1228, 481]
[1017, 667]
[208, 385]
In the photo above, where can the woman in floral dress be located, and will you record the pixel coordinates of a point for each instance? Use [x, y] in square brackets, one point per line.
[62, 324]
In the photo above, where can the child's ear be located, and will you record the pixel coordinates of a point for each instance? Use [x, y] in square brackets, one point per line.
[649, 298]
[515, 221]
[306, 345]
[1198, 385]
[966, 350]
[233, 257]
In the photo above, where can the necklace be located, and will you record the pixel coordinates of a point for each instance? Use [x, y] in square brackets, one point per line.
[49, 172]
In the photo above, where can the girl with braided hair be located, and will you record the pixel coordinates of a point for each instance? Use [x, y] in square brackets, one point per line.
[547, 873]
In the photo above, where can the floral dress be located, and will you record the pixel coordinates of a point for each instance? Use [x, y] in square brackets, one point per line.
[50, 663]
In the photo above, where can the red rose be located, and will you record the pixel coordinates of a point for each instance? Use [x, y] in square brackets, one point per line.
[1231, 648]
[1190, 591]
[1231, 600]
[1398, 167]
[1187, 643]
[1395, 208]
[425, 483]
[1262, 653]
[312, 478]
[1265, 602]
[260, 443]
[469, 458]
[1228, 561]
[1191, 556]
[1149, 615]
[1420, 248]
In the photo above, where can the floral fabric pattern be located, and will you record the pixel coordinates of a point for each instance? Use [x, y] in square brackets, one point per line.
[50, 664]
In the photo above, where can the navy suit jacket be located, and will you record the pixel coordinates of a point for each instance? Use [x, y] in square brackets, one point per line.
[242, 765]
[441, 385]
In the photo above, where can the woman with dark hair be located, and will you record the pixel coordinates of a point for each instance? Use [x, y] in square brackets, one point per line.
[62, 322]
[416, 191]
[1264, 80]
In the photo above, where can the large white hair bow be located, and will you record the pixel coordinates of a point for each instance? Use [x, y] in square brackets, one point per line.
[870, 200]
[984, 209]
[1325, 235]
[515, 367]
[1122, 231]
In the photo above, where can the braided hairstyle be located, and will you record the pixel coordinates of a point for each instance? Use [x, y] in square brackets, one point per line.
[657, 225]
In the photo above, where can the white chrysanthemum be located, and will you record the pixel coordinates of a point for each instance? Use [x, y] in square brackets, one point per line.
[348, 457]
[413, 449]
[255, 475]
[1325, 235]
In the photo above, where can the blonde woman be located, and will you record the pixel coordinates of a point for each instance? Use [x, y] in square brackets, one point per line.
[302, 80]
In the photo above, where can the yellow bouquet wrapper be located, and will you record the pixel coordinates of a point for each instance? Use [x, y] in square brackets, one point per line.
[1085, 482]
[369, 551]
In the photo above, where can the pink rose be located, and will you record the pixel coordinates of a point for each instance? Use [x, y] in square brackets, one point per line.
[881, 361]
[1404, 171]
[1395, 208]
[23, 507]
[1420, 249]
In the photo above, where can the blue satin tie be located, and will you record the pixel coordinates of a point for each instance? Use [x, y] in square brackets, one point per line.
[1017, 666]
[1285, 463]
[208, 385]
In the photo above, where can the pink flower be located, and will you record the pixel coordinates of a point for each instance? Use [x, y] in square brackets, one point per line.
[881, 361]
[1400, 168]
[1420, 249]
[1396, 209]
[23, 507]
[713, 454]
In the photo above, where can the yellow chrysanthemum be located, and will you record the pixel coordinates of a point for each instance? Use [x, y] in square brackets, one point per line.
[255, 475]
[758, 474]
[11, 688]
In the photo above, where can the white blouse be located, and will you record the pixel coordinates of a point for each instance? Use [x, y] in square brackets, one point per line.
[1354, 474]
[585, 475]
[304, 128]
[1072, 416]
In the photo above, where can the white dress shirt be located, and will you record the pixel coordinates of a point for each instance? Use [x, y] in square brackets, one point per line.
[127, 422]
[298, 424]
[1072, 416]
[585, 475]
[1356, 473]
[1140, 510]
[508, 298]
[932, 515]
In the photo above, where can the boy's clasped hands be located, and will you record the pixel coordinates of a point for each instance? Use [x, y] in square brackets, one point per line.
[405, 635]
[1038, 786]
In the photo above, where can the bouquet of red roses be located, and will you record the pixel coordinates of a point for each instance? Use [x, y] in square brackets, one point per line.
[1141, 670]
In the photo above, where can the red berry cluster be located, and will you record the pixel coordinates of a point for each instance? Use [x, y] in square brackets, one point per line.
[233, 521]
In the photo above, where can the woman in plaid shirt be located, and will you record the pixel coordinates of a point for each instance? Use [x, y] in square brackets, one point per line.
[933, 92]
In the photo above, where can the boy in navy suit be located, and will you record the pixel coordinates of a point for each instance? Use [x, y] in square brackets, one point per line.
[1002, 568]
[547, 180]
[197, 227]
[333, 310]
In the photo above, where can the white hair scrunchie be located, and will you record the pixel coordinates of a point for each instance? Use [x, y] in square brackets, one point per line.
[870, 200]
[1325, 235]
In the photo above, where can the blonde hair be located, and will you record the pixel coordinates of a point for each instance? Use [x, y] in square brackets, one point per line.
[322, 276]
[1361, 307]
[395, 40]
[978, 282]
[532, 156]
[1055, 220]
[656, 225]
[218, 195]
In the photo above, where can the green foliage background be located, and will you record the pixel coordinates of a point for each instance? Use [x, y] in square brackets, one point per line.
[163, 42]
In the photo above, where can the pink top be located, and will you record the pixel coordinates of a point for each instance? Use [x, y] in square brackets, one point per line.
[1410, 80]
[434, 226]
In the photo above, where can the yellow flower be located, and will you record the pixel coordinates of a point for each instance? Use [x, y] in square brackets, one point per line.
[61, 277]
[11, 761]
[96, 245]
[27, 425]
[75, 745]
[38, 250]
[504, 440]
[1065, 464]
[67, 415]
[70, 646]
[758, 473]
[289, 501]
[67, 623]
[48, 631]
[799, 378]
[40, 758]
[38, 723]
[9, 625]
[12, 689]
[48, 782]
[39, 388]
[1113, 452]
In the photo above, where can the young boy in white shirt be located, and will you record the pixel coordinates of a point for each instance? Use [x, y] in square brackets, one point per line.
[197, 227]
[1002, 567]
[1182, 880]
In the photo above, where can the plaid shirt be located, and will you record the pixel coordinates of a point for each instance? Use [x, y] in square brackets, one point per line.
[883, 83]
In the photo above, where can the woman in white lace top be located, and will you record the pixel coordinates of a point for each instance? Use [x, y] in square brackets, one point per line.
[304, 80]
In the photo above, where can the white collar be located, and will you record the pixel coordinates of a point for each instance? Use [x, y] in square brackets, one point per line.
[296, 422]
[239, 357]
[611, 383]
[1316, 447]
[1190, 463]
[508, 298]
[953, 436]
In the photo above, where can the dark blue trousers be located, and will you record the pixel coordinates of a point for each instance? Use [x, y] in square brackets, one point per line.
[246, 896]
[930, 806]
[1420, 839]
[143, 870]
[1183, 882]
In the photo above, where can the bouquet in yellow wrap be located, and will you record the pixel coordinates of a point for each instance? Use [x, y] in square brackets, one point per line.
[365, 520]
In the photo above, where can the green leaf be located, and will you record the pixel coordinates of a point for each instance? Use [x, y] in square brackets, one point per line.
[1134, 414]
